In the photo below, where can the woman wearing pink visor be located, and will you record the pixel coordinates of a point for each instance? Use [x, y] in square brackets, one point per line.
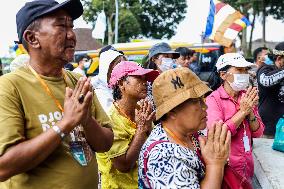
[132, 123]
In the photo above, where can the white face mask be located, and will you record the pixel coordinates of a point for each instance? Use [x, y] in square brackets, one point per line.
[87, 64]
[167, 64]
[241, 82]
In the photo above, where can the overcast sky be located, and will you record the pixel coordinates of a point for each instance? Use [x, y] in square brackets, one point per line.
[189, 29]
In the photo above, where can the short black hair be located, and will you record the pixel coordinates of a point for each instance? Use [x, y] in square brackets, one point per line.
[222, 48]
[257, 51]
[226, 68]
[214, 80]
[185, 51]
[279, 47]
[80, 57]
[116, 92]
[69, 67]
[148, 63]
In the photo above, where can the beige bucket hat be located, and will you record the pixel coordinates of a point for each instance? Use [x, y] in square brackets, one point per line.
[174, 87]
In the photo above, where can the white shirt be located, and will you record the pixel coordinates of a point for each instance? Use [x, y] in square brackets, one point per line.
[103, 93]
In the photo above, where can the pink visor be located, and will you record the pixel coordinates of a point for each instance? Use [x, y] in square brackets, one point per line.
[129, 68]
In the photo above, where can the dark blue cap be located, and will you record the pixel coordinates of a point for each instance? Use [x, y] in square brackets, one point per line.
[162, 48]
[109, 47]
[38, 8]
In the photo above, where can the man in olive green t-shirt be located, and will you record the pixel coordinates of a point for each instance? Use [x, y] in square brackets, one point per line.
[50, 122]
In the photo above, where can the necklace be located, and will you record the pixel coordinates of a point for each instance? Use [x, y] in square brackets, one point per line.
[132, 124]
[47, 89]
[178, 140]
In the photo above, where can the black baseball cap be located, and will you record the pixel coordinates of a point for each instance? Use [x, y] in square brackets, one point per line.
[80, 57]
[38, 8]
[109, 47]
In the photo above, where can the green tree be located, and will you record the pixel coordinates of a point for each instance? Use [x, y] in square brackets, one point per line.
[254, 8]
[276, 9]
[138, 18]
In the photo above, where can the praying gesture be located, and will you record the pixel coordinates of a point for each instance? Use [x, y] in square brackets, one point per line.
[249, 100]
[144, 116]
[77, 104]
[215, 149]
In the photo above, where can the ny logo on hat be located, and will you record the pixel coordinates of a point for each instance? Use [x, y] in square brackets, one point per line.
[177, 82]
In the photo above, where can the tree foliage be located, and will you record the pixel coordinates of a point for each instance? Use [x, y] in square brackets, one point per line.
[276, 9]
[149, 18]
[272, 7]
[253, 8]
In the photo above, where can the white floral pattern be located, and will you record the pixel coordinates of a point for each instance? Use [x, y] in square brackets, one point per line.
[169, 165]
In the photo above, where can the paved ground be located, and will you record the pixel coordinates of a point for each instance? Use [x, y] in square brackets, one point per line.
[269, 164]
[255, 183]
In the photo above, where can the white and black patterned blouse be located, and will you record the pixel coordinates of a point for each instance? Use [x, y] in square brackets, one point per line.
[169, 165]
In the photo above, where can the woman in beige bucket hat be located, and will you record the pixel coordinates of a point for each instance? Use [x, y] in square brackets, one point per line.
[171, 156]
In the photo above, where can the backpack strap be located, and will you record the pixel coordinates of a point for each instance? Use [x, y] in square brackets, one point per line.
[146, 157]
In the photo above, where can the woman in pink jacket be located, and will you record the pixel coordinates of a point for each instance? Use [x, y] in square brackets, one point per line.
[235, 105]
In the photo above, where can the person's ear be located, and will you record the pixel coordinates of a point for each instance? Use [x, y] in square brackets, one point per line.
[31, 39]
[279, 58]
[223, 75]
[172, 115]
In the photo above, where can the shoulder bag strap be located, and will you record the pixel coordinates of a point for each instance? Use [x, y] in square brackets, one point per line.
[146, 157]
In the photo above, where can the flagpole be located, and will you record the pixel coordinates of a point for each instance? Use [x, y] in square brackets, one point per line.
[116, 21]
[202, 45]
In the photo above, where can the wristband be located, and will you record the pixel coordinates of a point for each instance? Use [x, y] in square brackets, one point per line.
[58, 131]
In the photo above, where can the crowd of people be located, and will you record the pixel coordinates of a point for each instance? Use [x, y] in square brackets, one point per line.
[155, 125]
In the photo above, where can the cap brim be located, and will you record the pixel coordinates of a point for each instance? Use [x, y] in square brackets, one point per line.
[150, 74]
[239, 64]
[197, 91]
[73, 7]
[243, 64]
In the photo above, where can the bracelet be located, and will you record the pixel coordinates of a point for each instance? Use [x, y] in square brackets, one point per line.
[58, 131]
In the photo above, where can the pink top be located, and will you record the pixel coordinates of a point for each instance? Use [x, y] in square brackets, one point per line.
[223, 107]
